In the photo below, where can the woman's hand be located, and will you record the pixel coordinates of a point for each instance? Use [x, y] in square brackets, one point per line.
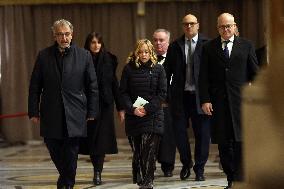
[140, 111]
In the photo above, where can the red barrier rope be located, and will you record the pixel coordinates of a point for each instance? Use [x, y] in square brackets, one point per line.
[21, 114]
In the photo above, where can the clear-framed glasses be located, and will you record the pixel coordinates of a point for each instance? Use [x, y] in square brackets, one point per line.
[227, 26]
[61, 34]
[191, 24]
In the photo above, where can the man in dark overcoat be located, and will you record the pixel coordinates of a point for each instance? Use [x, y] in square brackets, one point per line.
[182, 68]
[63, 94]
[228, 63]
[167, 146]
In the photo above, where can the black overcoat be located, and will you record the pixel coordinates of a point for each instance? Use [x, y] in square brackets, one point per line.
[175, 66]
[149, 83]
[101, 132]
[221, 81]
[73, 96]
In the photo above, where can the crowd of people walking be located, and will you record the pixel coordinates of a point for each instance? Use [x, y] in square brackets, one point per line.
[165, 88]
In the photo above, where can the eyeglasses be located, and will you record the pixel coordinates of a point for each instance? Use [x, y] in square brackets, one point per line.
[60, 34]
[228, 26]
[191, 24]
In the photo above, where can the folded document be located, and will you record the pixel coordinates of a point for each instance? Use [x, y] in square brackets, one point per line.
[140, 102]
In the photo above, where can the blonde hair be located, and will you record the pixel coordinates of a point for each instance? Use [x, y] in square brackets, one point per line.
[133, 56]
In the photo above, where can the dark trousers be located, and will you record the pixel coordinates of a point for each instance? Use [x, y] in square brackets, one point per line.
[230, 150]
[64, 154]
[231, 160]
[145, 149]
[167, 147]
[98, 162]
[201, 128]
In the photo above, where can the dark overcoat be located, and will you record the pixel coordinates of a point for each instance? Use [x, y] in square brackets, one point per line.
[175, 66]
[221, 81]
[101, 132]
[73, 96]
[149, 83]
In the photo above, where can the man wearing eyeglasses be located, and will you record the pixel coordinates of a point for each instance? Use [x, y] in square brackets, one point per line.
[182, 68]
[228, 63]
[63, 95]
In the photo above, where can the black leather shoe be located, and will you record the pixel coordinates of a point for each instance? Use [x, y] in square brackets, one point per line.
[230, 185]
[97, 180]
[168, 173]
[199, 178]
[184, 173]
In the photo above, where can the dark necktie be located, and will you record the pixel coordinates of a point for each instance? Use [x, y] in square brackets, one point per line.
[190, 77]
[160, 58]
[226, 50]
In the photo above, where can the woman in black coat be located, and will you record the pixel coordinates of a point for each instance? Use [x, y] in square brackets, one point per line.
[143, 77]
[101, 132]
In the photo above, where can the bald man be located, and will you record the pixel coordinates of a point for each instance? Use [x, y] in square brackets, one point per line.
[228, 62]
[182, 68]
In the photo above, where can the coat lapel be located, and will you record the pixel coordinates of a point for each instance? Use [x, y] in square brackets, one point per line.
[236, 48]
[181, 44]
[55, 63]
[100, 64]
[68, 63]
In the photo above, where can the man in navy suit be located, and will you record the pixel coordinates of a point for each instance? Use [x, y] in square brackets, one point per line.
[182, 68]
[228, 62]
[63, 94]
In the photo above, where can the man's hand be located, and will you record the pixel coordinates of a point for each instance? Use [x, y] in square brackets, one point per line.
[207, 108]
[35, 120]
[121, 115]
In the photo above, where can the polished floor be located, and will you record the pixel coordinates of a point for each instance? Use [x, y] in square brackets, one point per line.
[29, 167]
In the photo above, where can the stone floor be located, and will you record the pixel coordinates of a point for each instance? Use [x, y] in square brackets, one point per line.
[29, 167]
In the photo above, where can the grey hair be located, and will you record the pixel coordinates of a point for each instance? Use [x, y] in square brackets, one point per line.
[61, 22]
[165, 31]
